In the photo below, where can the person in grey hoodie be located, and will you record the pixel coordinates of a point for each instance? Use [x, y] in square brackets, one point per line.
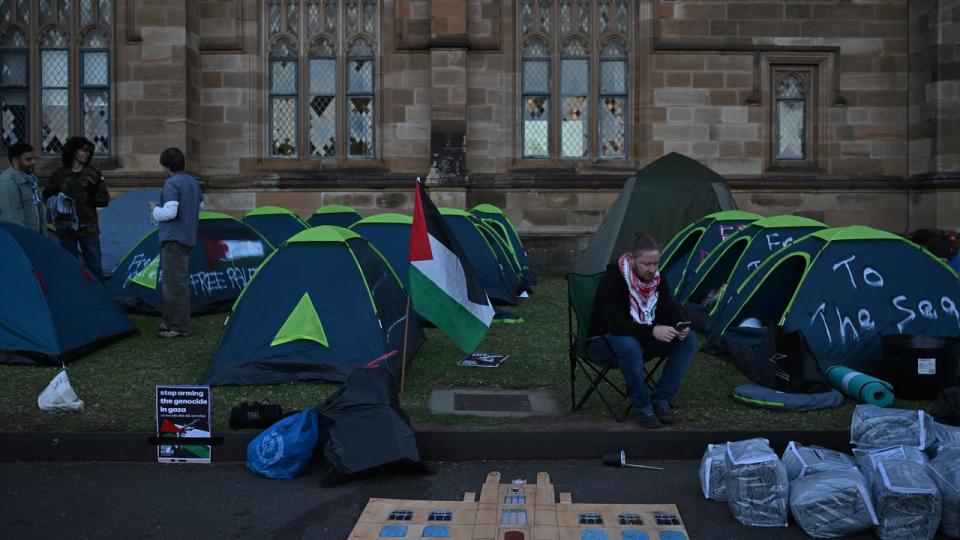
[178, 216]
[19, 192]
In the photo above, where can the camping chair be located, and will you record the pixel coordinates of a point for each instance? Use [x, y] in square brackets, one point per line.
[581, 290]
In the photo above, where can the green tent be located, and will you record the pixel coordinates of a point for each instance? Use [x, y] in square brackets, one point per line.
[659, 199]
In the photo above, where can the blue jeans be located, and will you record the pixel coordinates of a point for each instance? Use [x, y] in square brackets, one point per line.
[628, 355]
[89, 247]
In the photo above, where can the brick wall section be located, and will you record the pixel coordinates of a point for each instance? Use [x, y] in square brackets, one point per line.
[701, 100]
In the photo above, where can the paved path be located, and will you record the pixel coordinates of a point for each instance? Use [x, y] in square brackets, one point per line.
[141, 500]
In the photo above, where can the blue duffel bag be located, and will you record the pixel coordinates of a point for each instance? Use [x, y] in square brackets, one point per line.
[284, 450]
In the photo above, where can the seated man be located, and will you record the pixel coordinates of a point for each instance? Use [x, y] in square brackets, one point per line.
[636, 317]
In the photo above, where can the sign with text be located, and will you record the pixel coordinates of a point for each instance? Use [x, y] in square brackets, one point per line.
[183, 412]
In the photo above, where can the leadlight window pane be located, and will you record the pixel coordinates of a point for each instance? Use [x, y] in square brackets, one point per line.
[536, 76]
[630, 519]
[64, 11]
[23, 11]
[360, 47]
[13, 39]
[613, 127]
[526, 16]
[513, 516]
[55, 68]
[54, 38]
[106, 12]
[790, 87]
[273, 13]
[283, 115]
[369, 16]
[293, 17]
[575, 48]
[13, 68]
[13, 116]
[613, 77]
[352, 17]
[86, 12]
[440, 515]
[360, 125]
[323, 126]
[6, 14]
[95, 68]
[95, 39]
[515, 499]
[584, 17]
[545, 16]
[313, 17]
[323, 76]
[604, 15]
[283, 77]
[790, 118]
[331, 16]
[360, 76]
[536, 126]
[574, 77]
[45, 12]
[574, 140]
[54, 120]
[622, 15]
[96, 119]
[566, 16]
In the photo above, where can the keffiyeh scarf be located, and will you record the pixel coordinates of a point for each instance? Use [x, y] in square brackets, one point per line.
[643, 296]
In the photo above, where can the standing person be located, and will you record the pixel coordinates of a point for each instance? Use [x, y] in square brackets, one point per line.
[74, 214]
[178, 215]
[19, 194]
[636, 318]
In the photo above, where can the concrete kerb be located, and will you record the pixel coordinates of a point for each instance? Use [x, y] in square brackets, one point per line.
[434, 445]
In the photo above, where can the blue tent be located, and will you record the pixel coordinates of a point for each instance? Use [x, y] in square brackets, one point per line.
[123, 224]
[324, 304]
[499, 279]
[274, 223]
[53, 308]
[390, 234]
[338, 215]
[227, 254]
[498, 221]
[843, 288]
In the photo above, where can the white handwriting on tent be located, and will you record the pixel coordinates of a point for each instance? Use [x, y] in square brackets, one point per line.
[137, 264]
[209, 283]
[926, 310]
[774, 244]
[870, 276]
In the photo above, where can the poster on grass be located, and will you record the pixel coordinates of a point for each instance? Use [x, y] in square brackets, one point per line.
[183, 412]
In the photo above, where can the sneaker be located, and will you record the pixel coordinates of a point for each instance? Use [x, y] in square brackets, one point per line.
[163, 326]
[664, 412]
[647, 418]
[172, 334]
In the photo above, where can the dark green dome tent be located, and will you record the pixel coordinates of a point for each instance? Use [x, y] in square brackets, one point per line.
[338, 215]
[730, 262]
[390, 234]
[53, 309]
[324, 304]
[843, 288]
[499, 222]
[660, 199]
[685, 251]
[485, 255]
[274, 223]
[227, 254]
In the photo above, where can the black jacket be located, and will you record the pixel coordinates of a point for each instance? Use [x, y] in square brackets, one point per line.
[611, 308]
[88, 190]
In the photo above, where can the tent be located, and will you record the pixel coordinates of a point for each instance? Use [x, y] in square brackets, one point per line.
[498, 221]
[124, 222]
[227, 254]
[733, 260]
[334, 214]
[324, 303]
[53, 308]
[274, 223]
[487, 258]
[844, 288]
[659, 199]
[390, 234]
[684, 253]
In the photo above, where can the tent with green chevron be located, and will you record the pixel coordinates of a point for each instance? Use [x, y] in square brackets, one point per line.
[498, 221]
[227, 254]
[322, 305]
[339, 215]
[729, 264]
[275, 223]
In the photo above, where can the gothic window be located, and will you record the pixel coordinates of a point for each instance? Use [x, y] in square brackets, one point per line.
[791, 116]
[327, 60]
[574, 78]
[55, 72]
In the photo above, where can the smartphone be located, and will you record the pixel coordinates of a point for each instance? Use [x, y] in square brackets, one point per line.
[682, 325]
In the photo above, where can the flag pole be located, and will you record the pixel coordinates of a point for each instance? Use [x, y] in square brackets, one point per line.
[403, 356]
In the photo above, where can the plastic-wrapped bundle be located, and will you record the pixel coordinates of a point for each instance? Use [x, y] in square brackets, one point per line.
[832, 503]
[802, 460]
[713, 472]
[947, 437]
[873, 427]
[945, 471]
[757, 484]
[906, 499]
[868, 458]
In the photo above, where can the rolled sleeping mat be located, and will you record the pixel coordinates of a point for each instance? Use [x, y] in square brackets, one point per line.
[860, 386]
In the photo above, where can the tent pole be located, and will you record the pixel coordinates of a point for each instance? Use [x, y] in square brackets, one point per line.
[403, 356]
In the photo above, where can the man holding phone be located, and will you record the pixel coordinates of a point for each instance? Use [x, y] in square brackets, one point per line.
[636, 318]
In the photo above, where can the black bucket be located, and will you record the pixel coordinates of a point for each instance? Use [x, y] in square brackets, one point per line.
[921, 365]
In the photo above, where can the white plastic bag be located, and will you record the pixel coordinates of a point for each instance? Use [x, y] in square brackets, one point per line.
[59, 395]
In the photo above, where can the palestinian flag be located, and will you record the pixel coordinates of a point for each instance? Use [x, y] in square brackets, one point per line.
[443, 286]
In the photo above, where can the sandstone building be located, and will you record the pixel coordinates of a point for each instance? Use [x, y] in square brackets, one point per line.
[847, 111]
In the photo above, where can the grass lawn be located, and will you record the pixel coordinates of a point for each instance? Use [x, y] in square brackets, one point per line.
[117, 382]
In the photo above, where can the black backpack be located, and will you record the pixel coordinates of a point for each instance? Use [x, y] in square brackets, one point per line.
[784, 362]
